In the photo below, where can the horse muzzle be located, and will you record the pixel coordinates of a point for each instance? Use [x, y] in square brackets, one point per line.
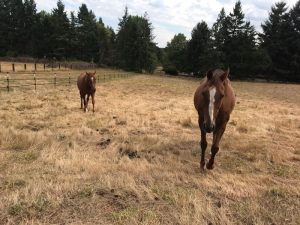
[209, 127]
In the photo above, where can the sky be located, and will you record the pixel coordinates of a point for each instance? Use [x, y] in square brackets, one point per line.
[169, 17]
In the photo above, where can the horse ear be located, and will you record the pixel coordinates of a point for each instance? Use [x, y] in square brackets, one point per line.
[209, 74]
[225, 74]
[95, 72]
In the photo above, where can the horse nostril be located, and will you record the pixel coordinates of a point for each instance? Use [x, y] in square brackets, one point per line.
[212, 127]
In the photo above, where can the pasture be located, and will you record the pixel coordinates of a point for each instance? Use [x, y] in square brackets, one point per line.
[136, 159]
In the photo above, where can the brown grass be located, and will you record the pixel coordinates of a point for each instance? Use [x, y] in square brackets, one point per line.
[136, 160]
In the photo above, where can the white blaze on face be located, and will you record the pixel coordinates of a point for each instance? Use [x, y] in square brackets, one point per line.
[212, 93]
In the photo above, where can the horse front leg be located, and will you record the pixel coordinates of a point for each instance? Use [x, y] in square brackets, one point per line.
[81, 102]
[203, 144]
[85, 103]
[217, 135]
[93, 101]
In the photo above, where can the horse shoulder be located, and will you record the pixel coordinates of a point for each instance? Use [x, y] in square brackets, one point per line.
[198, 98]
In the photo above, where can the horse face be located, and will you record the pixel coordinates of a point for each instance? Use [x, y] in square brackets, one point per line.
[213, 95]
[92, 81]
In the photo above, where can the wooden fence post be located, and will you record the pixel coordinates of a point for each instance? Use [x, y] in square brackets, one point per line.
[0, 68]
[34, 66]
[98, 78]
[59, 66]
[25, 66]
[44, 66]
[7, 79]
[54, 80]
[69, 79]
[13, 67]
[34, 81]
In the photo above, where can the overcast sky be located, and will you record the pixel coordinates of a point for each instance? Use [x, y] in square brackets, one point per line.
[169, 17]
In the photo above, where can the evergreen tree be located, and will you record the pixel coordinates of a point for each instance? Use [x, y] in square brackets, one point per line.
[87, 35]
[43, 35]
[135, 47]
[219, 34]
[199, 49]
[239, 44]
[4, 26]
[176, 53]
[60, 31]
[16, 29]
[277, 38]
[295, 43]
[30, 21]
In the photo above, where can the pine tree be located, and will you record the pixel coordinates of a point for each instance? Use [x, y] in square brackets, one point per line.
[4, 27]
[16, 29]
[135, 47]
[239, 44]
[199, 49]
[295, 43]
[61, 27]
[87, 35]
[219, 33]
[30, 21]
[176, 51]
[277, 36]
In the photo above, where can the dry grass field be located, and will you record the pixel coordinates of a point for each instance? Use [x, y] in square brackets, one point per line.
[136, 159]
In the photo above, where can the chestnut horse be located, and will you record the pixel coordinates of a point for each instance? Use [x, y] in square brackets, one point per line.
[86, 84]
[214, 100]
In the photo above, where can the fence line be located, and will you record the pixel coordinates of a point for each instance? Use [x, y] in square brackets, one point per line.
[55, 81]
[48, 66]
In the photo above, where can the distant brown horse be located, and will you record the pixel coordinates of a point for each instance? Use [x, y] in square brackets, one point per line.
[214, 100]
[86, 84]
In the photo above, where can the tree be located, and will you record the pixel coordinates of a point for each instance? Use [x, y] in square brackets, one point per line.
[87, 35]
[239, 43]
[277, 38]
[30, 21]
[295, 43]
[199, 49]
[135, 47]
[176, 53]
[219, 34]
[4, 26]
[15, 27]
[60, 25]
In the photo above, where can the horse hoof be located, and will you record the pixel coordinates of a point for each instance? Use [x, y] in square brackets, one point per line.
[209, 166]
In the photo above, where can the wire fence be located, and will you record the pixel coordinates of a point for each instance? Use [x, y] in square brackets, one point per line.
[10, 84]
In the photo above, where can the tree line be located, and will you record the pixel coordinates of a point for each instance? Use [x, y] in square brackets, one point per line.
[81, 36]
[231, 41]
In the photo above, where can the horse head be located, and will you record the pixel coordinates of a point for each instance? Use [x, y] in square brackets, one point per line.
[213, 95]
[91, 81]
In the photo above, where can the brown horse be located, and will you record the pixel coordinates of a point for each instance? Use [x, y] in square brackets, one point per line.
[86, 84]
[214, 100]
